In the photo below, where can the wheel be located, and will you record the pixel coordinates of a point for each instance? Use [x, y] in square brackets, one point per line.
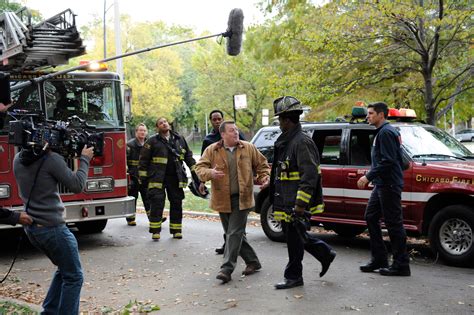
[90, 227]
[451, 234]
[272, 228]
[346, 230]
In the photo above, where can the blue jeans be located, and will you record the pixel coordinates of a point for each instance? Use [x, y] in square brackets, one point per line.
[60, 245]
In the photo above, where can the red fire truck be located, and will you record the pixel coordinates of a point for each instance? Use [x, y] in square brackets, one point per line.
[92, 96]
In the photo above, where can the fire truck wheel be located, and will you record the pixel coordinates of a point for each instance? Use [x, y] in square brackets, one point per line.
[452, 235]
[346, 230]
[271, 227]
[91, 227]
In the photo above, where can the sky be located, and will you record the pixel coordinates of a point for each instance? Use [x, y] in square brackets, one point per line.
[210, 15]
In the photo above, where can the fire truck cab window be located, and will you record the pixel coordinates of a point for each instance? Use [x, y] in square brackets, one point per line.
[25, 99]
[93, 100]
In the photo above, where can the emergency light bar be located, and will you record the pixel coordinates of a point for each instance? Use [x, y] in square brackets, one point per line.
[93, 66]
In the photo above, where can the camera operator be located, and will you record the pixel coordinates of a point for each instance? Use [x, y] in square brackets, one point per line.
[49, 232]
[14, 217]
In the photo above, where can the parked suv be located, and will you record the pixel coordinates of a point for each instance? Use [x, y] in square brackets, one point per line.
[437, 198]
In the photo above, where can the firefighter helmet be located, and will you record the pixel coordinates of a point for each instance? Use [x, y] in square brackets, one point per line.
[194, 188]
[286, 104]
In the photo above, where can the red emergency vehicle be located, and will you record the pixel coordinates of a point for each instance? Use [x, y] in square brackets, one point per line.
[437, 198]
[95, 97]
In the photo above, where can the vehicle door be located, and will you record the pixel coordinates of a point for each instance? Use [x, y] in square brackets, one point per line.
[358, 160]
[328, 142]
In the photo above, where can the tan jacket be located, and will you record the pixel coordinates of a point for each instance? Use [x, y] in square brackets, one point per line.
[249, 161]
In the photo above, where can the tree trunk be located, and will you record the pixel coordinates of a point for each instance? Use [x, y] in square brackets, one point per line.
[429, 101]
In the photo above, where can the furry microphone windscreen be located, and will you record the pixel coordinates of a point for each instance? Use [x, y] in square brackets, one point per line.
[5, 97]
[235, 28]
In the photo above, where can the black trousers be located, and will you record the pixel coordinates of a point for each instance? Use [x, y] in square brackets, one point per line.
[134, 189]
[296, 247]
[157, 204]
[386, 201]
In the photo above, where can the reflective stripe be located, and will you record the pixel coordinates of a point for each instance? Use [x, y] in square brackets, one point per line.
[142, 173]
[319, 169]
[159, 160]
[290, 176]
[155, 185]
[318, 209]
[132, 162]
[155, 225]
[181, 156]
[183, 184]
[176, 226]
[282, 216]
[301, 195]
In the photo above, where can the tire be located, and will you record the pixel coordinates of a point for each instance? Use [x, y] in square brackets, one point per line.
[272, 228]
[91, 227]
[452, 235]
[346, 230]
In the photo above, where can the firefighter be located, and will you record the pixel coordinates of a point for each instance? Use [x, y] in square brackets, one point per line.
[161, 166]
[295, 189]
[134, 147]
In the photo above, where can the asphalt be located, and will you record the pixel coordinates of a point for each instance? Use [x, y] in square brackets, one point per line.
[123, 264]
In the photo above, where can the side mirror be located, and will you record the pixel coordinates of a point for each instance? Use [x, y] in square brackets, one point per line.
[5, 94]
[127, 102]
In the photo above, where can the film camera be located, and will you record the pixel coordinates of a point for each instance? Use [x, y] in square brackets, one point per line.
[31, 130]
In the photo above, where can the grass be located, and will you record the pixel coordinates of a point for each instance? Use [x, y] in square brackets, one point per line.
[7, 307]
[190, 203]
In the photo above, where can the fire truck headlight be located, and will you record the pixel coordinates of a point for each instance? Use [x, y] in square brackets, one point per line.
[4, 191]
[102, 184]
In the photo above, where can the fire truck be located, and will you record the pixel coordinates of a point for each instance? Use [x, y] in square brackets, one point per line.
[437, 197]
[28, 52]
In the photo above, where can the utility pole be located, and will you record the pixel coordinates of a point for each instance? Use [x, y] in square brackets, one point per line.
[105, 30]
[118, 38]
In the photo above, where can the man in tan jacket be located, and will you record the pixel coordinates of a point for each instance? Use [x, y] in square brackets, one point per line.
[230, 164]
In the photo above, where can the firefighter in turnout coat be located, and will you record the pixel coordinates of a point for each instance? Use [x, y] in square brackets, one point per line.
[295, 189]
[161, 165]
[134, 147]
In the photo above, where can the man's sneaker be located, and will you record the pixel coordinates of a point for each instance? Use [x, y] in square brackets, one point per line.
[178, 235]
[132, 223]
[156, 236]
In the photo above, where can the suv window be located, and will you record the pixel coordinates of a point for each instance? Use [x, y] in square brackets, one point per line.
[360, 146]
[329, 145]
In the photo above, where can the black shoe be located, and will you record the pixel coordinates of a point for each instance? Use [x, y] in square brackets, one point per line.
[223, 276]
[220, 251]
[396, 271]
[289, 283]
[327, 262]
[373, 265]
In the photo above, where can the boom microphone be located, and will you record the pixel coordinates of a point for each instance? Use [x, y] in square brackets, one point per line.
[235, 28]
[5, 97]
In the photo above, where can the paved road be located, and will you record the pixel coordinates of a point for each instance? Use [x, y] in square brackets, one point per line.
[123, 264]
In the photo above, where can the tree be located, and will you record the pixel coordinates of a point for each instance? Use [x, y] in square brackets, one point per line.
[220, 77]
[420, 46]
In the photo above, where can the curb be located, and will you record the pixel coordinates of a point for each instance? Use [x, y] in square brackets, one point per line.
[254, 217]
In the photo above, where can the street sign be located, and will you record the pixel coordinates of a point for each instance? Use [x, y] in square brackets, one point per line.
[240, 101]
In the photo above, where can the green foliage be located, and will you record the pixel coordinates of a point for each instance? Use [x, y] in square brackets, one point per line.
[411, 53]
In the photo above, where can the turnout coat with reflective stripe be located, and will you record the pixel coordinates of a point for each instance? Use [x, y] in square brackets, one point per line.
[296, 174]
[250, 163]
[133, 155]
[154, 157]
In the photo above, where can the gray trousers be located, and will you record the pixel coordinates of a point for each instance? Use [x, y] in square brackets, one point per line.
[234, 224]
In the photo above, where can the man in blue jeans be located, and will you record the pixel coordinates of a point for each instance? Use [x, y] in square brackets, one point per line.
[49, 232]
[386, 174]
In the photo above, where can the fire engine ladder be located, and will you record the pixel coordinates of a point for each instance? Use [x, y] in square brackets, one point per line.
[50, 43]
